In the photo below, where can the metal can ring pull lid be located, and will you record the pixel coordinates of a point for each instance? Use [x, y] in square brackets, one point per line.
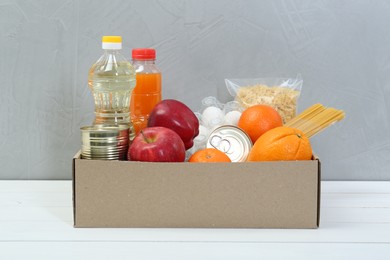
[231, 140]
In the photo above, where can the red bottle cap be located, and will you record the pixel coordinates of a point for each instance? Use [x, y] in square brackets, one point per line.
[143, 54]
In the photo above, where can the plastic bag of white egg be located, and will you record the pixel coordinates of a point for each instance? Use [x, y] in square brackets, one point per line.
[212, 115]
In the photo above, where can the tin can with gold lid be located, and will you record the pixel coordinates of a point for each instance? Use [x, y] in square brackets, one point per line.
[231, 140]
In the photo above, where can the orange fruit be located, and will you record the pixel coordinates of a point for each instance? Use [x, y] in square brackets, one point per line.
[209, 155]
[258, 119]
[281, 143]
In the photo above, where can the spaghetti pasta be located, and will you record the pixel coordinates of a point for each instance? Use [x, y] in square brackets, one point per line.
[315, 119]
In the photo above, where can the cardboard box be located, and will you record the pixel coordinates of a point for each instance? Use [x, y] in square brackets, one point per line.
[196, 195]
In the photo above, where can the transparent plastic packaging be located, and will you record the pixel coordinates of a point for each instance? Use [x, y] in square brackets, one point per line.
[280, 93]
[212, 115]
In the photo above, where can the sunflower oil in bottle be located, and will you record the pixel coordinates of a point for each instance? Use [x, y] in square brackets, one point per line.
[111, 80]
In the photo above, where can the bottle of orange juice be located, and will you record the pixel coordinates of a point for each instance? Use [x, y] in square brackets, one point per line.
[147, 91]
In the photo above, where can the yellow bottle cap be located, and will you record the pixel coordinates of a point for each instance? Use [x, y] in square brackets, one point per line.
[116, 39]
[112, 42]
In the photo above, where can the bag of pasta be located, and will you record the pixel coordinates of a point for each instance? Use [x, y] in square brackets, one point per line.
[280, 93]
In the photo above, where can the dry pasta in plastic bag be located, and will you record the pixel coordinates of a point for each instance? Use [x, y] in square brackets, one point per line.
[280, 93]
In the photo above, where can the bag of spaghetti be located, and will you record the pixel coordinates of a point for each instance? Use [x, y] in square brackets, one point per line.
[280, 93]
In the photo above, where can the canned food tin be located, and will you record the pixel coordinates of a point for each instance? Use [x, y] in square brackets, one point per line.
[104, 142]
[231, 140]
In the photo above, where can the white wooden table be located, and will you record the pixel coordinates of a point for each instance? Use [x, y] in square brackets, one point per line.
[36, 223]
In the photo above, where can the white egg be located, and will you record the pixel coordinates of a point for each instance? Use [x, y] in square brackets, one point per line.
[203, 134]
[232, 117]
[213, 116]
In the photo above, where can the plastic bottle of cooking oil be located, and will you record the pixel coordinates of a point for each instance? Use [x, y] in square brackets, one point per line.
[147, 92]
[112, 80]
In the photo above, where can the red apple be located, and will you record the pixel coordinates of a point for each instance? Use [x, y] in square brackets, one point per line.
[177, 116]
[157, 144]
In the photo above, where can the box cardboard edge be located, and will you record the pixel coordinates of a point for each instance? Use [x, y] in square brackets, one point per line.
[318, 192]
[77, 156]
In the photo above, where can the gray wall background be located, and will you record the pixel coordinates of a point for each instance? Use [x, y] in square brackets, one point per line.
[341, 49]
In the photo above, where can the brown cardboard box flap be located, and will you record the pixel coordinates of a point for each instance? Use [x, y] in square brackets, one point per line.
[223, 195]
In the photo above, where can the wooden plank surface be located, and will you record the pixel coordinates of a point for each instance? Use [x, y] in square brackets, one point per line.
[37, 216]
[193, 251]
